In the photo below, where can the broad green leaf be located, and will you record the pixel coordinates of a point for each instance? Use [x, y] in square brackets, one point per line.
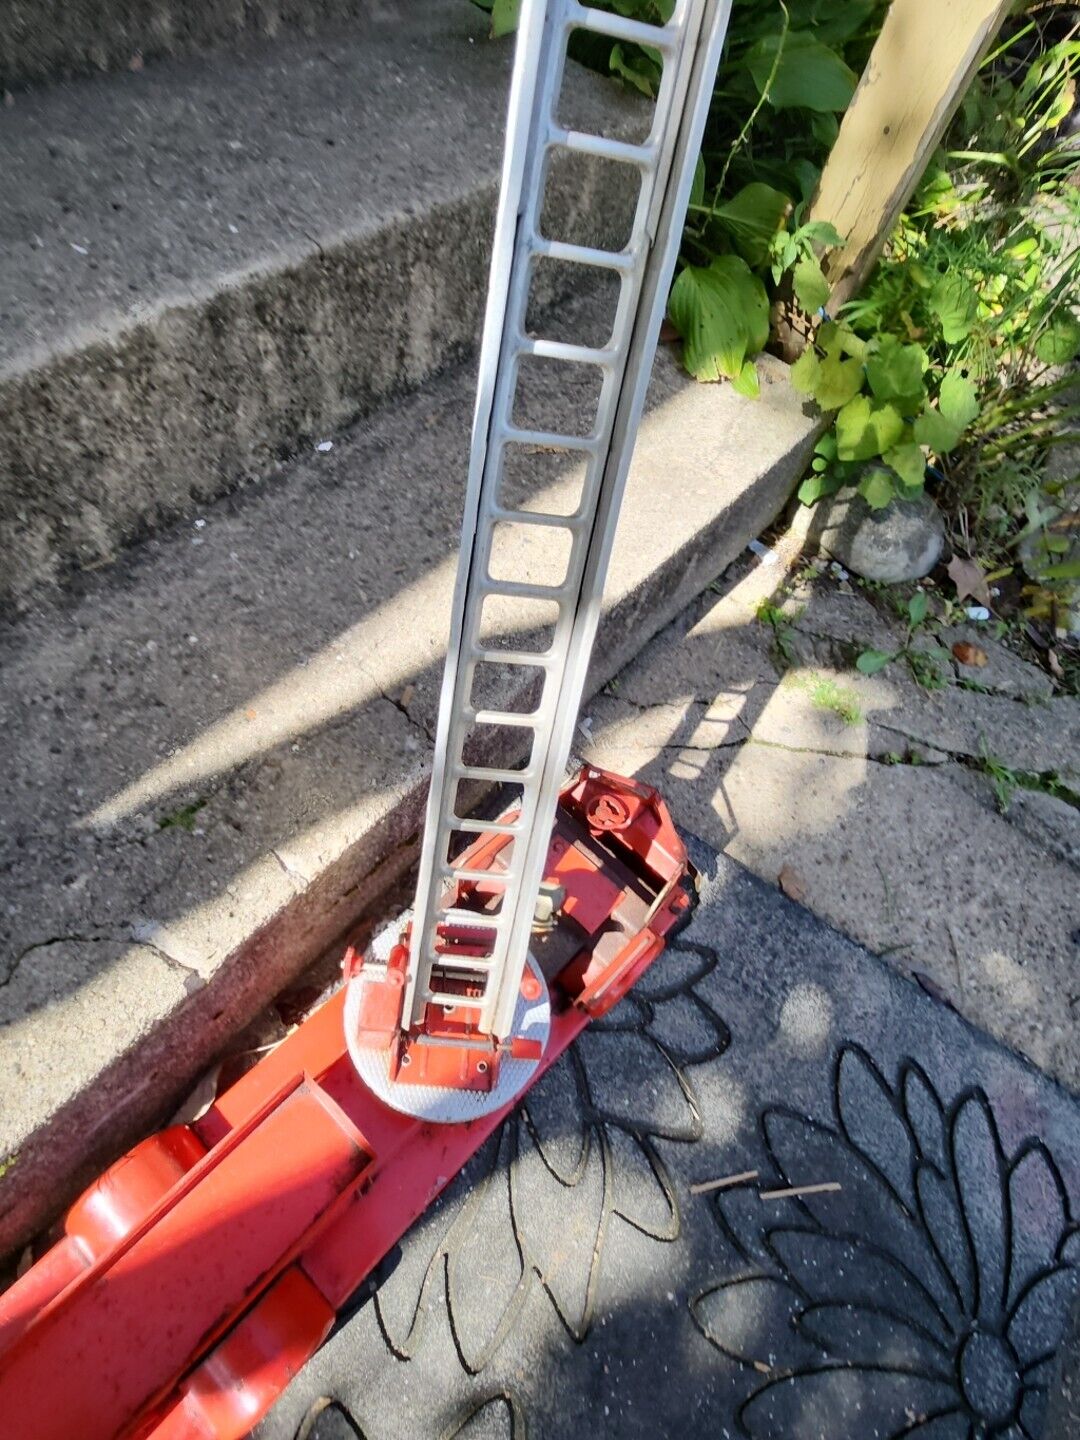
[697, 189]
[1068, 570]
[814, 487]
[809, 75]
[917, 607]
[839, 20]
[876, 487]
[1060, 342]
[504, 17]
[871, 661]
[866, 428]
[955, 304]
[804, 374]
[909, 462]
[838, 381]
[838, 339]
[957, 399]
[746, 382]
[894, 370]
[722, 313]
[821, 232]
[639, 66]
[825, 129]
[752, 218]
[934, 431]
[812, 290]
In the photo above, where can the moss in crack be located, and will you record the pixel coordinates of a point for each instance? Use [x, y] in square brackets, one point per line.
[1006, 780]
[826, 694]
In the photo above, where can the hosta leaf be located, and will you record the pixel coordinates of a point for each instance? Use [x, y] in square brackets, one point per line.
[697, 189]
[809, 75]
[504, 17]
[722, 313]
[895, 370]
[752, 218]
[812, 290]
[640, 67]
[876, 487]
[746, 382]
[865, 428]
[957, 399]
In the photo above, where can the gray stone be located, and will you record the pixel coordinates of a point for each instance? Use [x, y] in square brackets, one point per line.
[214, 262]
[570, 1280]
[903, 541]
[219, 748]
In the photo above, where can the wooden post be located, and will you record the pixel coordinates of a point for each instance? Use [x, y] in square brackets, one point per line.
[922, 63]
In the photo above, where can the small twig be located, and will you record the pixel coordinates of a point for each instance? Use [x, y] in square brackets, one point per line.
[704, 1186]
[794, 1190]
[740, 139]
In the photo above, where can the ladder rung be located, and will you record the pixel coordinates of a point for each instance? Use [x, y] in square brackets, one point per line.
[472, 920]
[526, 591]
[502, 877]
[539, 659]
[455, 1002]
[564, 350]
[536, 517]
[548, 440]
[502, 717]
[486, 827]
[512, 657]
[623, 261]
[581, 143]
[618, 27]
[498, 777]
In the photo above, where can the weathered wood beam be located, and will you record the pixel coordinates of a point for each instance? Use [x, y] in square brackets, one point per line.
[918, 71]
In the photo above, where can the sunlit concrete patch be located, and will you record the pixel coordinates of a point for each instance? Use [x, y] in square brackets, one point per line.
[626, 1256]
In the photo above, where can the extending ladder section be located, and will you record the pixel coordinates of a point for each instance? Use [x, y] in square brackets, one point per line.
[457, 957]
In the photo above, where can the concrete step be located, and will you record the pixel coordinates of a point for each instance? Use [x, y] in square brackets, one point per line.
[51, 40]
[218, 750]
[211, 262]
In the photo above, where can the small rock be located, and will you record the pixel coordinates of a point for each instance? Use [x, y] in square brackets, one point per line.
[902, 542]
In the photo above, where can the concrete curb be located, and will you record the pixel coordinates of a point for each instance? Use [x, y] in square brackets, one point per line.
[134, 958]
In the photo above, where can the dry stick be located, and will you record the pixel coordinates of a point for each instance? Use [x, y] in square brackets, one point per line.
[705, 1185]
[828, 1187]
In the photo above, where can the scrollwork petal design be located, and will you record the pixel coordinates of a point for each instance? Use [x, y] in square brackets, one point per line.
[932, 1285]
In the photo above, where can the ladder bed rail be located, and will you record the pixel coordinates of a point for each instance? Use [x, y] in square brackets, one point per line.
[690, 44]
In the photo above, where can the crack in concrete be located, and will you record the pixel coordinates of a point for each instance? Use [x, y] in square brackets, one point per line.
[289, 870]
[54, 940]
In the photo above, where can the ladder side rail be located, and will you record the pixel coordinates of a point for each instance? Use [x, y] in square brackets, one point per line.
[504, 973]
[532, 45]
[669, 211]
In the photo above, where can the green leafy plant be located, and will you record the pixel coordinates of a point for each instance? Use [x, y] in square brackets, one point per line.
[923, 661]
[788, 71]
[182, 819]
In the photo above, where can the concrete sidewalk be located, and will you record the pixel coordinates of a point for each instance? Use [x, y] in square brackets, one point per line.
[571, 1280]
[870, 798]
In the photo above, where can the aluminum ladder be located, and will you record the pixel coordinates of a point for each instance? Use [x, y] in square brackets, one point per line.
[690, 44]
